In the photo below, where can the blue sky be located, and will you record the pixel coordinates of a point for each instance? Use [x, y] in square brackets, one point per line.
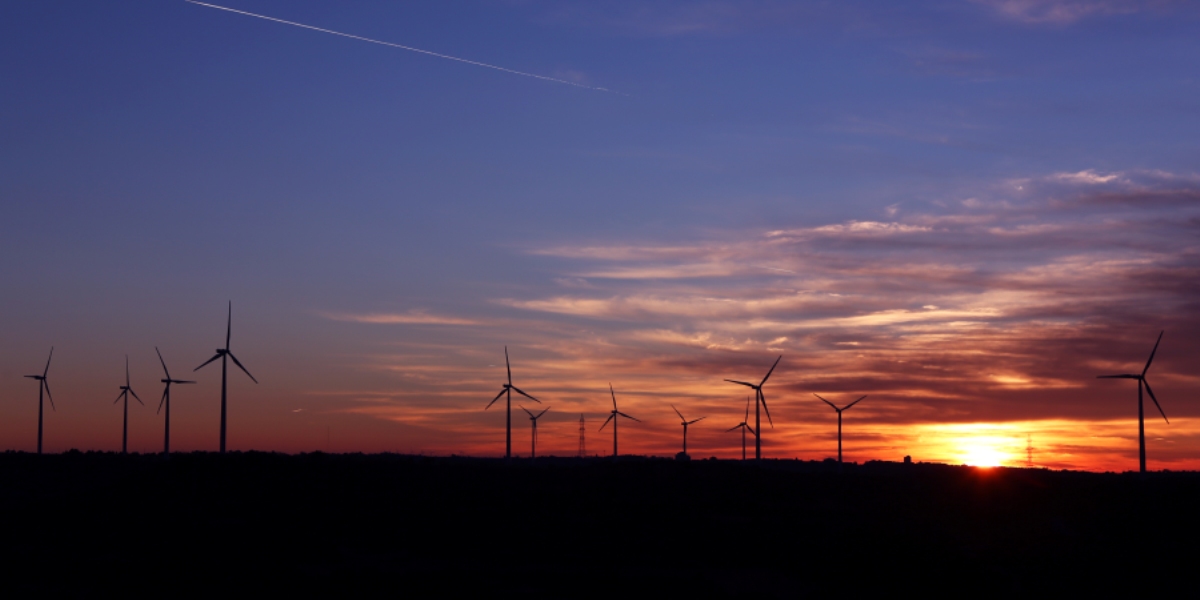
[378, 216]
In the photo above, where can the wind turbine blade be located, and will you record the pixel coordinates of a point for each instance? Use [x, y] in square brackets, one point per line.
[215, 357]
[542, 413]
[826, 402]
[629, 417]
[135, 397]
[853, 403]
[734, 428]
[1118, 377]
[48, 394]
[239, 364]
[164, 363]
[507, 366]
[526, 411]
[678, 413]
[1160, 334]
[610, 417]
[765, 409]
[119, 396]
[47, 369]
[229, 326]
[1160, 410]
[614, 396]
[772, 369]
[180, 381]
[518, 390]
[163, 400]
[741, 383]
[495, 399]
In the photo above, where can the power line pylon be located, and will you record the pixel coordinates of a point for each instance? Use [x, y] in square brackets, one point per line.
[582, 444]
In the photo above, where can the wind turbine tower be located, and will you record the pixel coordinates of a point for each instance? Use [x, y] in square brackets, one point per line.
[839, 413]
[613, 417]
[533, 419]
[760, 400]
[225, 354]
[43, 388]
[508, 389]
[685, 424]
[744, 426]
[1142, 382]
[166, 401]
[126, 390]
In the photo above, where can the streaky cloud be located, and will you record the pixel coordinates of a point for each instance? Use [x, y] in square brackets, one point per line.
[409, 318]
[403, 47]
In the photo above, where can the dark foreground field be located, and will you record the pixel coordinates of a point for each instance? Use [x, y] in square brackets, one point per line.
[196, 524]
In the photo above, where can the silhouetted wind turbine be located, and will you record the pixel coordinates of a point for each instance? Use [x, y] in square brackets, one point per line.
[126, 390]
[685, 423]
[1141, 379]
[508, 389]
[43, 386]
[613, 417]
[166, 401]
[759, 400]
[533, 419]
[839, 412]
[224, 354]
[744, 427]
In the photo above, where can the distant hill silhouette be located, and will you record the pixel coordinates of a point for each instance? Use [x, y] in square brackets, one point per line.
[404, 525]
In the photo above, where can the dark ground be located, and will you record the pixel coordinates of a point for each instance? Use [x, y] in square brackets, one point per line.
[80, 524]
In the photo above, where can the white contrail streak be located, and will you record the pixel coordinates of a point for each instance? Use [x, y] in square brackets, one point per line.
[402, 47]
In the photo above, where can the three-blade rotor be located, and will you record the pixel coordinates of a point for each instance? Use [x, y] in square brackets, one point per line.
[43, 383]
[615, 413]
[126, 389]
[834, 406]
[758, 393]
[168, 381]
[684, 421]
[509, 386]
[745, 420]
[533, 417]
[225, 351]
[1141, 377]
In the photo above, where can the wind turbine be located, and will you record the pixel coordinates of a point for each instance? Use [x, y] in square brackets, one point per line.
[533, 419]
[760, 400]
[744, 427]
[166, 401]
[1141, 379]
[126, 390]
[613, 417]
[224, 354]
[685, 423]
[43, 386]
[839, 412]
[508, 390]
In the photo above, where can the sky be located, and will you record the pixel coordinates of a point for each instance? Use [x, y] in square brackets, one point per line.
[964, 210]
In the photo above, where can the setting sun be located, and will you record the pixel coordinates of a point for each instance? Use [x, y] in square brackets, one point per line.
[981, 455]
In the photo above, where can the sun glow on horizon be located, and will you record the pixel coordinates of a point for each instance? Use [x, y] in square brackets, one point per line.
[982, 444]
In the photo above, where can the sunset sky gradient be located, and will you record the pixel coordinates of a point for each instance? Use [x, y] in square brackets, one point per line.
[964, 210]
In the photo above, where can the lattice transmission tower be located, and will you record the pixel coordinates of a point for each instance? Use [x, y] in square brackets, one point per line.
[582, 444]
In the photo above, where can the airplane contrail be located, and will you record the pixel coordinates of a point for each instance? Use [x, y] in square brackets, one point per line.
[402, 47]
